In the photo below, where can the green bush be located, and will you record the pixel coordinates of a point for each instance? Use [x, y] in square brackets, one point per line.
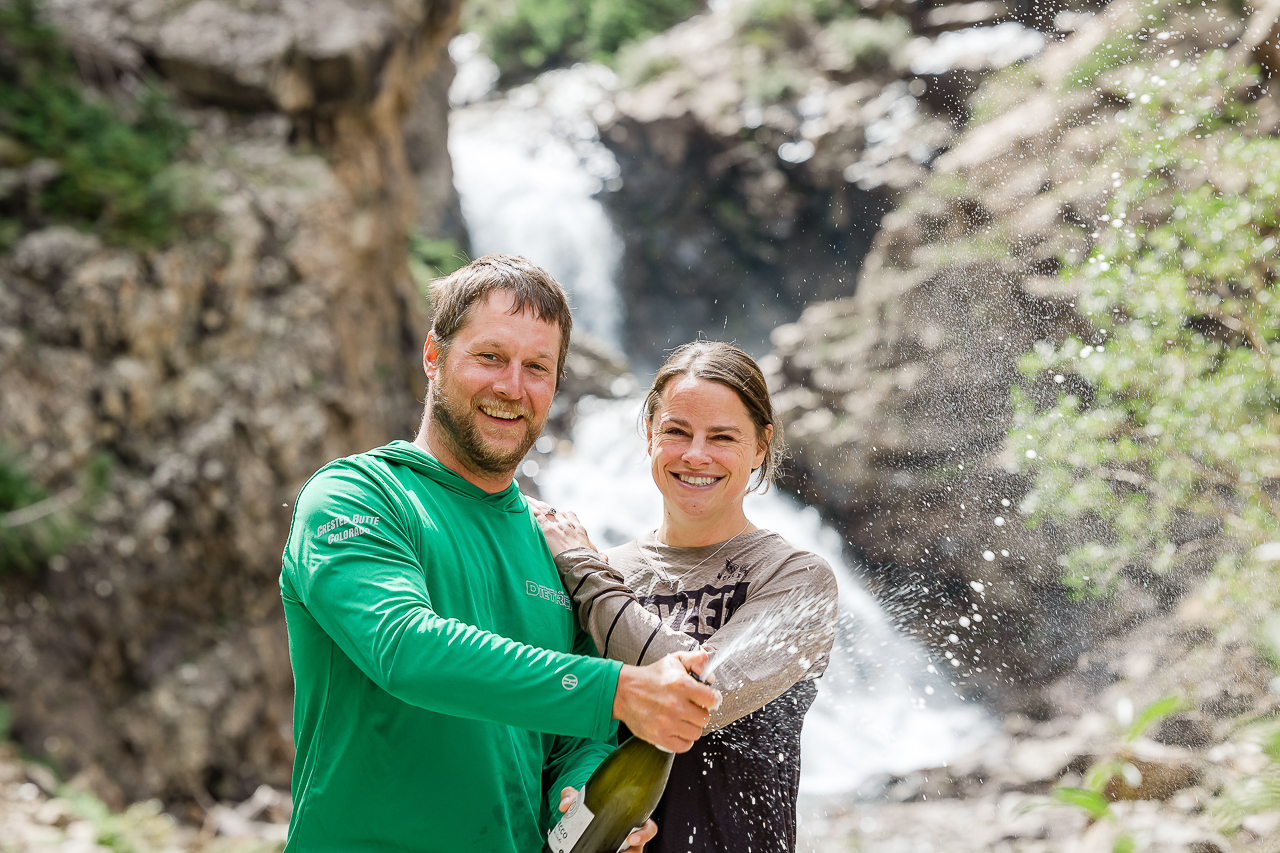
[870, 42]
[110, 155]
[430, 259]
[35, 526]
[1171, 442]
[527, 36]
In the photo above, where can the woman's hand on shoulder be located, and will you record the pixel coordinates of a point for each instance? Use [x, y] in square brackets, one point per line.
[561, 528]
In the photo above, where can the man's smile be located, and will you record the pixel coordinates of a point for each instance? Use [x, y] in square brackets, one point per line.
[502, 413]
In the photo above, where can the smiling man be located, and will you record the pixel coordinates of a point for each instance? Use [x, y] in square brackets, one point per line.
[443, 697]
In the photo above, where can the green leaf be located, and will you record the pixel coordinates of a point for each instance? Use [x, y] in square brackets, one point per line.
[1091, 803]
[1154, 713]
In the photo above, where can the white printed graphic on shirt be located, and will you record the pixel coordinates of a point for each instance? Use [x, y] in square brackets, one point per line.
[355, 525]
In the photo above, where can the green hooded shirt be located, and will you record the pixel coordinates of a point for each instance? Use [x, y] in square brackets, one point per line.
[442, 696]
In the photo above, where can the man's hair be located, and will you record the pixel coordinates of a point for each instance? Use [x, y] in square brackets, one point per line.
[532, 289]
[729, 366]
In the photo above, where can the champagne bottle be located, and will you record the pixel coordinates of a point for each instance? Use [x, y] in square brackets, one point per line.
[619, 796]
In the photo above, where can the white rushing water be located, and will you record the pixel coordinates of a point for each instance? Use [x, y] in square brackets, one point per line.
[527, 168]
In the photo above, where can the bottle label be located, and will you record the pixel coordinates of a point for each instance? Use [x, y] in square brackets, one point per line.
[566, 833]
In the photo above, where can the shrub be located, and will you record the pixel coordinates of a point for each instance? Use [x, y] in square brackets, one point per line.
[35, 526]
[1171, 440]
[110, 156]
[527, 36]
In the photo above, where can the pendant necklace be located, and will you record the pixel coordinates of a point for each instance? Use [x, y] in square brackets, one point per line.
[674, 583]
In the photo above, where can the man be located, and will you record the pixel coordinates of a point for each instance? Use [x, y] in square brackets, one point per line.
[442, 700]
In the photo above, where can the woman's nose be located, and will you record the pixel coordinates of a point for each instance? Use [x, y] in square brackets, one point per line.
[696, 452]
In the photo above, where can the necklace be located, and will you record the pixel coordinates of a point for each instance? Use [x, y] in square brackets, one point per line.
[674, 583]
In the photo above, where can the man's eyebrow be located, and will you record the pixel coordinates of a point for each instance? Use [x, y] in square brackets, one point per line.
[502, 347]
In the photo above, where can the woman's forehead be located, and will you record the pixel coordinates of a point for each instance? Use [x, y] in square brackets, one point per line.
[692, 396]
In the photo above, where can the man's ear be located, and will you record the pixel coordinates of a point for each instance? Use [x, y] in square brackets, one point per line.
[431, 356]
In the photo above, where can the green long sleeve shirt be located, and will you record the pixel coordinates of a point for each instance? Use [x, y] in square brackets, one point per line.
[439, 705]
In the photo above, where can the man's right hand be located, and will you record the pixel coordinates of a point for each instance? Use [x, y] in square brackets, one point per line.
[662, 703]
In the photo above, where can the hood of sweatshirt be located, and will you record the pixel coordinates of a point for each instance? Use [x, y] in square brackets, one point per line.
[411, 455]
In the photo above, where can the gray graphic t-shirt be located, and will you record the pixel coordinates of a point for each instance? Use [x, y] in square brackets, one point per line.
[736, 789]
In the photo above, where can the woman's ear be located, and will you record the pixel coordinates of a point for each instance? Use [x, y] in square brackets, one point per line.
[762, 447]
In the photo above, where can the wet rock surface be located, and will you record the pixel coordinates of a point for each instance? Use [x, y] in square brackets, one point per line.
[754, 184]
[896, 400]
[215, 374]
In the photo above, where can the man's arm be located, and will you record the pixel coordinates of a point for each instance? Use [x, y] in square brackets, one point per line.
[367, 591]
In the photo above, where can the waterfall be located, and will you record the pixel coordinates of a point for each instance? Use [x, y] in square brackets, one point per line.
[527, 168]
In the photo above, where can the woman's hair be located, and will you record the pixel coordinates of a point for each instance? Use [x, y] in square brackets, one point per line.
[729, 366]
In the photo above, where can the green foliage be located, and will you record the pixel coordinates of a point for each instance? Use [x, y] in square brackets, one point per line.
[1003, 91]
[35, 526]
[1107, 779]
[527, 36]
[430, 259]
[141, 828]
[870, 42]
[110, 156]
[1091, 802]
[1158, 710]
[1117, 51]
[1171, 434]
[1256, 793]
[769, 14]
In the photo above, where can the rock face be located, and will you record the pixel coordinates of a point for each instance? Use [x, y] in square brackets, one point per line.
[218, 373]
[896, 400]
[759, 156]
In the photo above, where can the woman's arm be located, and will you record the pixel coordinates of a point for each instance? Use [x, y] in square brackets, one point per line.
[623, 629]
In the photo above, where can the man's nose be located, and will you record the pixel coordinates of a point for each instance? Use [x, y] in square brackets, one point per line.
[507, 384]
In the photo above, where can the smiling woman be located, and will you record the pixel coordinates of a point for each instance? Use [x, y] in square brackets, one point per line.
[706, 576]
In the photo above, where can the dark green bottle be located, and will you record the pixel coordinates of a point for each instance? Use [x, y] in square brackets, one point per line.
[618, 798]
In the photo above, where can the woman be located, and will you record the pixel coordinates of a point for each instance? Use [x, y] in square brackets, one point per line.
[708, 576]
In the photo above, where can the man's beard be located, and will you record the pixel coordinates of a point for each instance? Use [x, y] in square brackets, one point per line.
[461, 435]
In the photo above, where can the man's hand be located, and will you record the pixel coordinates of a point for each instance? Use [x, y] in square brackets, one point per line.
[662, 703]
[635, 841]
[561, 528]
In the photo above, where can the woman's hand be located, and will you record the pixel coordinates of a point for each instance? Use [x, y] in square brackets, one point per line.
[638, 837]
[560, 527]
